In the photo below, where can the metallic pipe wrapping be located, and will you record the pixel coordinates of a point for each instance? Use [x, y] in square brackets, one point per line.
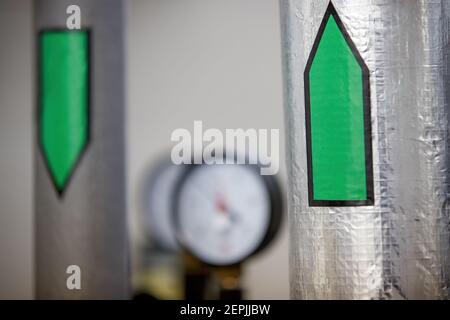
[84, 223]
[399, 247]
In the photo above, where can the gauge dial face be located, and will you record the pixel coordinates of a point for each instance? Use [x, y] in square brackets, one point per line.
[223, 213]
[159, 218]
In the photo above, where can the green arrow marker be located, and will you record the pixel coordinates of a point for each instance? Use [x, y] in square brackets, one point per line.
[63, 101]
[338, 119]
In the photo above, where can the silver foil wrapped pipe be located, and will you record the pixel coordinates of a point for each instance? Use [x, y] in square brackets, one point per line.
[81, 231]
[367, 102]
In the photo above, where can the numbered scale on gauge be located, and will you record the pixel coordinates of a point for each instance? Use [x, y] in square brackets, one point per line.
[226, 213]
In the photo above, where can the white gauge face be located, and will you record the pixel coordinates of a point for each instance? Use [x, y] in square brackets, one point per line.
[223, 213]
[159, 219]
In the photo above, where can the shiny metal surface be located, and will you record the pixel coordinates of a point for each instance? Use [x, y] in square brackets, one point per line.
[87, 225]
[400, 247]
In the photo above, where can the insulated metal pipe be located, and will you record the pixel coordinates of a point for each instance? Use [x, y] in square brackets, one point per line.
[79, 154]
[367, 101]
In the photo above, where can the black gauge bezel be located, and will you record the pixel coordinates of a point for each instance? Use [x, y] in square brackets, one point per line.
[276, 211]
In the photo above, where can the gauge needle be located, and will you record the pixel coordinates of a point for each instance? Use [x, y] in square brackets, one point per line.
[224, 216]
[220, 204]
[234, 215]
[222, 207]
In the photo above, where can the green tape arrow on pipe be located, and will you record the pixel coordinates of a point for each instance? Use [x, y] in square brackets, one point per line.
[338, 119]
[63, 101]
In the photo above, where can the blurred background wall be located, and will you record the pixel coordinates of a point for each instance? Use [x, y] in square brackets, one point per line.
[211, 60]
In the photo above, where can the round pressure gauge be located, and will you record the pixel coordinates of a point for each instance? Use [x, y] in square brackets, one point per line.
[226, 213]
[158, 197]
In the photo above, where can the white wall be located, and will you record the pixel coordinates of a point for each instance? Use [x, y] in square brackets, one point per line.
[211, 60]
